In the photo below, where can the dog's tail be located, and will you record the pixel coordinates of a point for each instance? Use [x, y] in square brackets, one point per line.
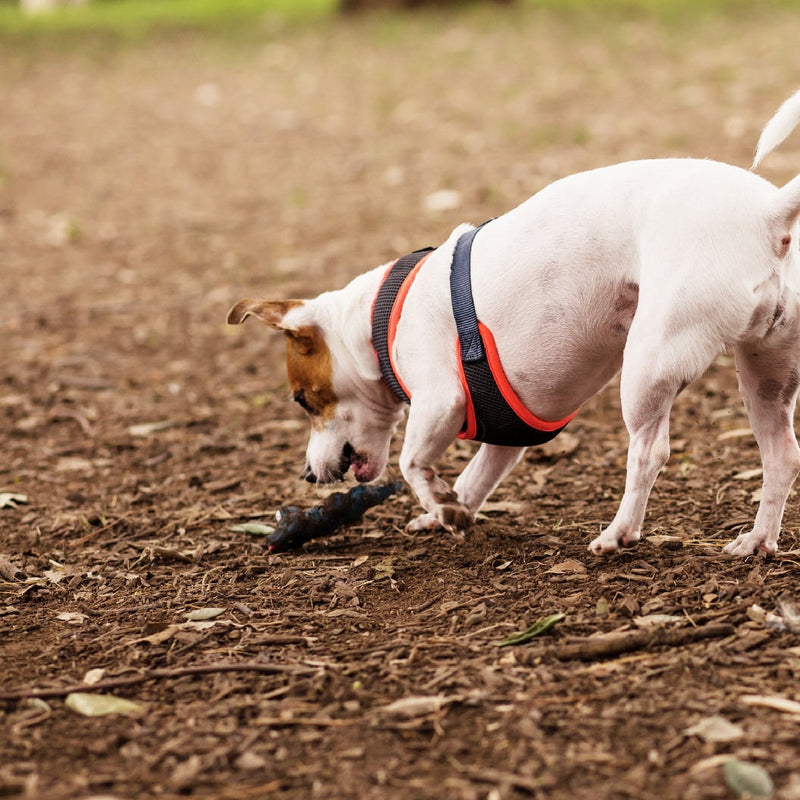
[784, 209]
[785, 120]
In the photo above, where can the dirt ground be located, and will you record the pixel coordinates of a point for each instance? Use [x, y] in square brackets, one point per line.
[143, 190]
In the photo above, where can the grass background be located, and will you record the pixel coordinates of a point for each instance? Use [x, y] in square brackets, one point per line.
[133, 19]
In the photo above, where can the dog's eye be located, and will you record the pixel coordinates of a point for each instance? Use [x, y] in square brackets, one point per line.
[300, 399]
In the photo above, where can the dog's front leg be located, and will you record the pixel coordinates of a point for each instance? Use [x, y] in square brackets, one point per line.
[480, 478]
[429, 431]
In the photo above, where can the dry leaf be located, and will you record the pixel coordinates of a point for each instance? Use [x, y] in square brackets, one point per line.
[564, 444]
[93, 676]
[749, 474]
[164, 635]
[11, 500]
[250, 760]
[655, 620]
[775, 702]
[73, 617]
[201, 614]
[712, 762]
[383, 569]
[55, 575]
[415, 706]
[789, 611]
[100, 705]
[253, 528]
[224, 485]
[73, 464]
[148, 428]
[185, 773]
[9, 571]
[715, 729]
[187, 556]
[570, 566]
[748, 780]
[736, 433]
[665, 540]
[505, 507]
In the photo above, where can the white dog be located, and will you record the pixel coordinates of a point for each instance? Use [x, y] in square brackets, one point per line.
[652, 267]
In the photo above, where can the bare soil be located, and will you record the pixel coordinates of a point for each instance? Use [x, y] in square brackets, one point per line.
[143, 190]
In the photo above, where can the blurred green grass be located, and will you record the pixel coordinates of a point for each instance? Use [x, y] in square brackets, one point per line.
[136, 19]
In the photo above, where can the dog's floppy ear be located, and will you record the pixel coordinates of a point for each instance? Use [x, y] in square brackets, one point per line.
[270, 312]
[302, 335]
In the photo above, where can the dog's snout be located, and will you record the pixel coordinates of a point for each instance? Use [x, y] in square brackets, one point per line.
[309, 475]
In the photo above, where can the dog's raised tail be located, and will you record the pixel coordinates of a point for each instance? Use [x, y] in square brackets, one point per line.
[785, 120]
[784, 209]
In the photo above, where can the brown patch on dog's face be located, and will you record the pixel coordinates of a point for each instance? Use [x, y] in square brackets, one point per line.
[310, 369]
[308, 359]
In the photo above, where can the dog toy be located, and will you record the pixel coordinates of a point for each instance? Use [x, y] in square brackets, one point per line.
[296, 525]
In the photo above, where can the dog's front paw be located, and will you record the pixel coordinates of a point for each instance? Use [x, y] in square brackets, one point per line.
[610, 541]
[424, 522]
[746, 544]
[452, 517]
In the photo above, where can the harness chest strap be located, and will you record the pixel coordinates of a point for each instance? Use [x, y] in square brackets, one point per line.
[494, 413]
[386, 309]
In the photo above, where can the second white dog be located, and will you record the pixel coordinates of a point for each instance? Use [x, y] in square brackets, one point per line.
[651, 267]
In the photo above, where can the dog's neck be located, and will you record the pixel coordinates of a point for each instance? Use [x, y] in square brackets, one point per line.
[351, 318]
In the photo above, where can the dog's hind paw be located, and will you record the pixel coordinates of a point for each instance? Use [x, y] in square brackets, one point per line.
[746, 544]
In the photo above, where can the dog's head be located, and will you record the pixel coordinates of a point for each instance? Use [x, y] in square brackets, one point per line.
[352, 413]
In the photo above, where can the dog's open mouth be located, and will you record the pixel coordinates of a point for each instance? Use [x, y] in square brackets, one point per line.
[349, 457]
[362, 468]
[345, 460]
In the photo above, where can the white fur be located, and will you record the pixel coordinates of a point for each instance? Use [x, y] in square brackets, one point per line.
[778, 128]
[651, 267]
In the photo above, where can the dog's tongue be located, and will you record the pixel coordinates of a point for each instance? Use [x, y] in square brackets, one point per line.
[361, 468]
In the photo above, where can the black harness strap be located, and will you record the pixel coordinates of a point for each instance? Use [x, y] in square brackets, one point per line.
[496, 421]
[382, 311]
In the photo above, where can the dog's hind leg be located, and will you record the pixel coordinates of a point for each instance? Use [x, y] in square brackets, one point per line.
[768, 381]
[655, 370]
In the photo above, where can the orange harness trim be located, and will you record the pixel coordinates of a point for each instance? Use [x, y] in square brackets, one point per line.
[510, 396]
[394, 319]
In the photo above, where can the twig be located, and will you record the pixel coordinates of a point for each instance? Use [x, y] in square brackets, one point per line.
[158, 674]
[314, 722]
[488, 775]
[613, 644]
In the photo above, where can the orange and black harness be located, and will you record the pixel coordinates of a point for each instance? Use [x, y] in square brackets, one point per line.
[495, 414]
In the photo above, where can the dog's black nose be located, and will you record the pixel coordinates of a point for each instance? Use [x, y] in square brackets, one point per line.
[309, 475]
